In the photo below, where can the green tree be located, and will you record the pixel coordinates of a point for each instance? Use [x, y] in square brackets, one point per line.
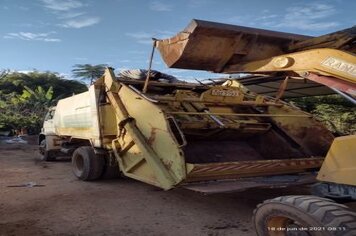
[338, 114]
[25, 111]
[3, 73]
[88, 71]
[25, 97]
[16, 82]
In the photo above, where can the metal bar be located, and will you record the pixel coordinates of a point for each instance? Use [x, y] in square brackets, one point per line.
[338, 83]
[135, 163]
[282, 88]
[126, 148]
[197, 100]
[234, 114]
[143, 95]
[345, 95]
[149, 67]
[215, 119]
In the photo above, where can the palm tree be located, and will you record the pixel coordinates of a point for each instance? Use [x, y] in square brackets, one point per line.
[88, 71]
[3, 73]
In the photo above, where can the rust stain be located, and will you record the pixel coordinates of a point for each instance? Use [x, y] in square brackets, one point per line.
[152, 137]
[168, 164]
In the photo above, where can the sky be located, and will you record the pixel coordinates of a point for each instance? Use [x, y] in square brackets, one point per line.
[54, 35]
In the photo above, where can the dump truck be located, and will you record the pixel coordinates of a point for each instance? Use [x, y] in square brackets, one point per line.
[208, 137]
[184, 134]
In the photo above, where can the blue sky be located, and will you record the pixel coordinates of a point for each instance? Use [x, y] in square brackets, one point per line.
[56, 34]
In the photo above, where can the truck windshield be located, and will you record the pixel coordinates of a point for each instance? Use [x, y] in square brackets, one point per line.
[50, 114]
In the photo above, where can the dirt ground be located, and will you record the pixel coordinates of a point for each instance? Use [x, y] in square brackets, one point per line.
[67, 206]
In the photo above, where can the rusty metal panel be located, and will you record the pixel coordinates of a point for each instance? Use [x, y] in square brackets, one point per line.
[233, 170]
[192, 48]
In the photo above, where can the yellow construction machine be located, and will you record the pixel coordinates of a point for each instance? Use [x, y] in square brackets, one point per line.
[294, 66]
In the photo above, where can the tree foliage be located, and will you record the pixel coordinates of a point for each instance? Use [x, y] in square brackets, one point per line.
[3, 73]
[25, 110]
[338, 114]
[16, 82]
[25, 98]
[88, 71]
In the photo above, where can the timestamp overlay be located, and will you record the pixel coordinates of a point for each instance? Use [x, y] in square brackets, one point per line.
[307, 229]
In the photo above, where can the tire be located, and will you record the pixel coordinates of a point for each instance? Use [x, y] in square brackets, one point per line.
[86, 165]
[303, 215]
[338, 192]
[46, 155]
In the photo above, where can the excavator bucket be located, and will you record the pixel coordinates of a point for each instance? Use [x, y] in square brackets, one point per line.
[215, 47]
[192, 48]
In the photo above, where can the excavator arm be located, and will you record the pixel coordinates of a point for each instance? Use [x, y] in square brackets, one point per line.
[329, 59]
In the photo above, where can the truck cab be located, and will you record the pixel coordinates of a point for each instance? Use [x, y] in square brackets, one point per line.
[47, 137]
[48, 124]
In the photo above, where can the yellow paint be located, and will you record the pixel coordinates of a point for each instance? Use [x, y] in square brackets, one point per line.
[340, 163]
[342, 65]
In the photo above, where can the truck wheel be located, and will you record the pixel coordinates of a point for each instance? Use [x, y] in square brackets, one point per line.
[337, 192]
[303, 215]
[86, 164]
[46, 155]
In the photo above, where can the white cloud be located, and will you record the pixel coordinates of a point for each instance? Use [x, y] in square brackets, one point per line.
[313, 16]
[23, 71]
[267, 17]
[62, 5]
[68, 15]
[125, 61]
[160, 6]
[65, 76]
[141, 37]
[309, 17]
[146, 38]
[163, 34]
[310, 11]
[28, 36]
[198, 3]
[80, 23]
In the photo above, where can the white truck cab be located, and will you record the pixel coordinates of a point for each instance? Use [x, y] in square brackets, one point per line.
[47, 139]
[48, 124]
